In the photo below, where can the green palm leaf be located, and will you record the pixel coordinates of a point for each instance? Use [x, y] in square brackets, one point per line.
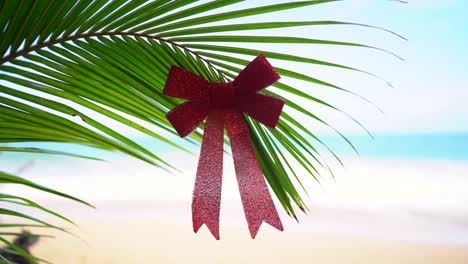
[112, 58]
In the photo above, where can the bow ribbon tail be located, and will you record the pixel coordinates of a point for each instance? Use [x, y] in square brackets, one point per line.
[207, 192]
[256, 199]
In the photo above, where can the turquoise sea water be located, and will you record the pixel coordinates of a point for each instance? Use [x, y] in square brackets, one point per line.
[415, 146]
[453, 146]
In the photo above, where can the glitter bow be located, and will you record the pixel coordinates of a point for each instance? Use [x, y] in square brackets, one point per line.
[224, 104]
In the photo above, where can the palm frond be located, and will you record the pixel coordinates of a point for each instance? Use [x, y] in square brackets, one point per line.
[6, 178]
[112, 58]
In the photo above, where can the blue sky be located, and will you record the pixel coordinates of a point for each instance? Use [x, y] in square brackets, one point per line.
[430, 84]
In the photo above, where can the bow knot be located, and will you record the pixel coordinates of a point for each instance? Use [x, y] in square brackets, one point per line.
[222, 96]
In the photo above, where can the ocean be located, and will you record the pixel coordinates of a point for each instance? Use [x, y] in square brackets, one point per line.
[403, 187]
[439, 146]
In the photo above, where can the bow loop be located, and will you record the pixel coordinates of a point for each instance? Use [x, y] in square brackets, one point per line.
[186, 117]
[186, 85]
[263, 108]
[256, 76]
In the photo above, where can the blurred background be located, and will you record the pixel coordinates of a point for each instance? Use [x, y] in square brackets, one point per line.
[403, 199]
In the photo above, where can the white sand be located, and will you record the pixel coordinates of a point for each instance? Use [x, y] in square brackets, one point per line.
[381, 211]
[129, 242]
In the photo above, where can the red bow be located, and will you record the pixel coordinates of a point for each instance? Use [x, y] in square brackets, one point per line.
[224, 104]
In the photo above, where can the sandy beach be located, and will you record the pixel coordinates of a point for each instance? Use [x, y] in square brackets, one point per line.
[356, 114]
[116, 241]
[364, 217]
